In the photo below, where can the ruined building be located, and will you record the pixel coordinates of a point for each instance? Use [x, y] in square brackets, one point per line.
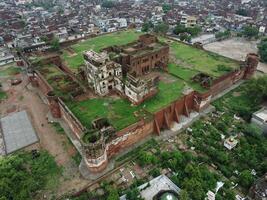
[141, 57]
[103, 75]
[100, 142]
[137, 60]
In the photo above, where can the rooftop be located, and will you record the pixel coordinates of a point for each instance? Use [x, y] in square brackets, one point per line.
[19, 134]
[160, 183]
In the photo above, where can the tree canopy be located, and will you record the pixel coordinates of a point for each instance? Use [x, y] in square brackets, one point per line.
[186, 33]
[23, 175]
[263, 49]
[250, 31]
[161, 28]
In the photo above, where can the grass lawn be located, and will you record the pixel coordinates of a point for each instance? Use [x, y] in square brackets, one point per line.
[186, 74]
[200, 60]
[10, 71]
[59, 81]
[3, 95]
[168, 92]
[98, 43]
[119, 111]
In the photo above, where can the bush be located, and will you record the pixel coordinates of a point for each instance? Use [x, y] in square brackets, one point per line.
[263, 49]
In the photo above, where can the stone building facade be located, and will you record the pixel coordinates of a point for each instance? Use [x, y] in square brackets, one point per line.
[103, 75]
[141, 57]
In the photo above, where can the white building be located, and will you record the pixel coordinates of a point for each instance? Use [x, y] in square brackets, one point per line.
[260, 118]
[188, 21]
[230, 143]
[137, 89]
[103, 75]
[6, 56]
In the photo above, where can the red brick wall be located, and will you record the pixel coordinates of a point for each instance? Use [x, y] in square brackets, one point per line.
[129, 136]
[164, 118]
[72, 122]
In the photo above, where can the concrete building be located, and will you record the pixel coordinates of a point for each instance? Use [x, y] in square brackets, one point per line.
[230, 143]
[260, 118]
[103, 75]
[143, 56]
[160, 187]
[6, 56]
[188, 21]
[139, 89]
[259, 189]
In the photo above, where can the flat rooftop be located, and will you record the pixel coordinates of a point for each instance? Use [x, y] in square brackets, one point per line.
[160, 183]
[17, 131]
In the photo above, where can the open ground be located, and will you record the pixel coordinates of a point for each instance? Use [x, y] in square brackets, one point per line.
[236, 48]
[58, 145]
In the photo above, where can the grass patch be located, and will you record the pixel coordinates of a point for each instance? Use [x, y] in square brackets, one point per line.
[168, 92]
[98, 43]
[186, 74]
[58, 128]
[61, 83]
[3, 95]
[77, 158]
[10, 71]
[119, 111]
[200, 60]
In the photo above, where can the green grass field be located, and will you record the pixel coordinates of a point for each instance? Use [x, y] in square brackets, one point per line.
[168, 92]
[119, 111]
[3, 95]
[97, 43]
[202, 61]
[10, 71]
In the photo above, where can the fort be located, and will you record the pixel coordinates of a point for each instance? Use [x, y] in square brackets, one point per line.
[136, 91]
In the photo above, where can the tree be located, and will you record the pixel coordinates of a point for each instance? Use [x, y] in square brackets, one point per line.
[108, 4]
[179, 29]
[133, 194]
[185, 37]
[246, 179]
[22, 176]
[161, 28]
[223, 34]
[147, 26]
[55, 44]
[242, 12]
[263, 49]
[257, 89]
[183, 195]
[193, 31]
[250, 31]
[166, 7]
[112, 193]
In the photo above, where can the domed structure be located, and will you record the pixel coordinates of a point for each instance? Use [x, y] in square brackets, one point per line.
[168, 196]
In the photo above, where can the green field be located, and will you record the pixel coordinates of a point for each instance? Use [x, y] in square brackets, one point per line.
[168, 92]
[97, 43]
[3, 95]
[202, 61]
[119, 111]
[10, 71]
[186, 74]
